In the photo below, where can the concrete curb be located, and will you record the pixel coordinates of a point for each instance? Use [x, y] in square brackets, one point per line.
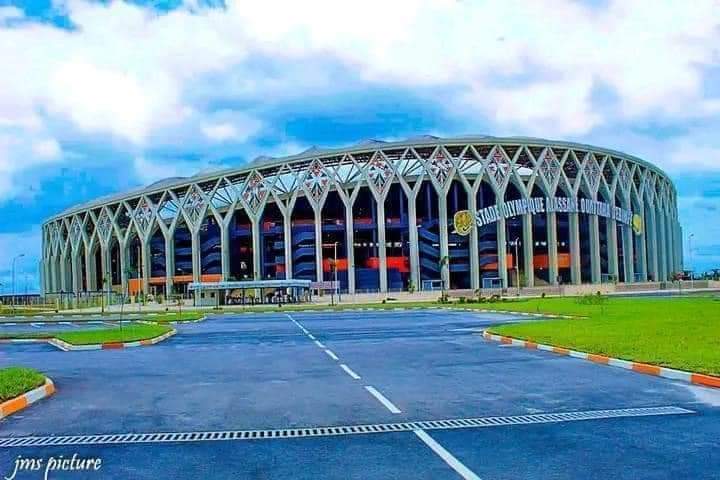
[16, 404]
[647, 369]
[67, 347]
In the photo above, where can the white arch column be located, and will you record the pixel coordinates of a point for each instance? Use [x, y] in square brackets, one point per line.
[528, 250]
[444, 238]
[651, 239]
[501, 251]
[169, 262]
[472, 243]
[552, 246]
[575, 265]
[105, 283]
[411, 195]
[91, 281]
[641, 247]
[670, 243]
[319, 275]
[256, 246]
[628, 253]
[612, 247]
[662, 251]
[144, 264]
[382, 244]
[595, 267]
[287, 243]
[75, 271]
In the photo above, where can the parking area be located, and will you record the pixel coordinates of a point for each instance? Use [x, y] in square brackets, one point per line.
[382, 394]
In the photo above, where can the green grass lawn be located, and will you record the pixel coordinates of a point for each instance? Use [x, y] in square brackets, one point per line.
[15, 381]
[128, 333]
[682, 333]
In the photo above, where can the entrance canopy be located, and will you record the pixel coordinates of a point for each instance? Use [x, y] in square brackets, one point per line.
[250, 284]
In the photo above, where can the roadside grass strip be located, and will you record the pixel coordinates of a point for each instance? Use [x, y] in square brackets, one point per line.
[128, 336]
[21, 387]
[327, 431]
[647, 369]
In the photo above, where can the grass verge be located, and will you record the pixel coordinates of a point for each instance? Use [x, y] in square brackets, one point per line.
[128, 333]
[15, 381]
[682, 333]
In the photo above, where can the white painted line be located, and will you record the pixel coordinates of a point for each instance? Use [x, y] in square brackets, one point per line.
[349, 371]
[95, 316]
[35, 325]
[331, 354]
[381, 398]
[111, 324]
[65, 323]
[320, 345]
[447, 457]
[311, 336]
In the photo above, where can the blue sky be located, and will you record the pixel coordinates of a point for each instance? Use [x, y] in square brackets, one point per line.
[98, 97]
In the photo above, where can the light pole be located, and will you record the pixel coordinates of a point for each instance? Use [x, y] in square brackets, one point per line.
[692, 266]
[517, 265]
[13, 280]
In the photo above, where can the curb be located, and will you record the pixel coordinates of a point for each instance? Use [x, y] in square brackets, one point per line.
[67, 347]
[645, 368]
[26, 399]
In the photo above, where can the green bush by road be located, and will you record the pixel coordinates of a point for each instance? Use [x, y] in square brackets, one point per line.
[15, 381]
[682, 333]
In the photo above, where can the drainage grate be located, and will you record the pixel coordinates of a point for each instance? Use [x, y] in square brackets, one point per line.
[539, 418]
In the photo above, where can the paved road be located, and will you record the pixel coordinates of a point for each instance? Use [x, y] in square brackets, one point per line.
[292, 375]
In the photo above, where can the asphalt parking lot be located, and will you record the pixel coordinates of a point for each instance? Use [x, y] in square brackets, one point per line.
[366, 395]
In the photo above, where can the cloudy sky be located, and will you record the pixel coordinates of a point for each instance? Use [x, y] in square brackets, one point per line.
[102, 96]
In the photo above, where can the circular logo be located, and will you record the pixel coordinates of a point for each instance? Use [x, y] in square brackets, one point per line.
[637, 224]
[463, 221]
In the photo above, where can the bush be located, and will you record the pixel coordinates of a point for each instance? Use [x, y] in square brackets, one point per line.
[543, 295]
[462, 300]
[592, 299]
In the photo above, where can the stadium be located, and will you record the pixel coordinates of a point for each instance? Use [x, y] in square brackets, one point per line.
[463, 213]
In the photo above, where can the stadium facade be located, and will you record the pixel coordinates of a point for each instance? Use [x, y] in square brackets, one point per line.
[471, 212]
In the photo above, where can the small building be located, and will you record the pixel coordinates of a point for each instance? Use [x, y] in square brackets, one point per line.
[251, 292]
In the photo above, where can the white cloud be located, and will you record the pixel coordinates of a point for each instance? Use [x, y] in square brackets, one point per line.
[220, 131]
[47, 149]
[231, 126]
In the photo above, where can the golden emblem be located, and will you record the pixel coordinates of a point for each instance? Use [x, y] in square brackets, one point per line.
[637, 224]
[463, 221]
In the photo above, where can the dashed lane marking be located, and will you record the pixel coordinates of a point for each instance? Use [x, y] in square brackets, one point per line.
[320, 345]
[447, 457]
[382, 399]
[449, 424]
[331, 354]
[350, 372]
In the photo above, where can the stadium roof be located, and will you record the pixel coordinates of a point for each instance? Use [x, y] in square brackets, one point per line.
[368, 144]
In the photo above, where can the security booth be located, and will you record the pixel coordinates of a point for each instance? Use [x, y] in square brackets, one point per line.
[251, 292]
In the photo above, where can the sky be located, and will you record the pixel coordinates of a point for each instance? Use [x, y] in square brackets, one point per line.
[103, 96]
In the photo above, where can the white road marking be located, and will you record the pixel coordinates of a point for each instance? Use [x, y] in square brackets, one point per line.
[349, 371]
[381, 398]
[311, 336]
[35, 325]
[320, 345]
[447, 457]
[506, 345]
[110, 323]
[331, 354]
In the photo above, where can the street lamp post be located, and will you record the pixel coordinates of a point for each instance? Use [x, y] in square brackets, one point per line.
[517, 265]
[13, 280]
[692, 266]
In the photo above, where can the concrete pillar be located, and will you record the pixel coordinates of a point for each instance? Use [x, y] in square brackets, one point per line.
[641, 248]
[350, 245]
[224, 251]
[651, 236]
[473, 246]
[75, 269]
[528, 245]
[287, 243]
[145, 265]
[318, 245]
[382, 245]
[628, 253]
[413, 237]
[196, 261]
[502, 252]
[552, 245]
[613, 252]
[256, 248]
[670, 250]
[575, 261]
[169, 264]
[90, 270]
[123, 266]
[52, 274]
[662, 251]
[444, 250]
[595, 267]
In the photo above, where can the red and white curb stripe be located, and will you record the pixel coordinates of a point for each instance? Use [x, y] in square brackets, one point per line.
[655, 370]
[25, 400]
[67, 347]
